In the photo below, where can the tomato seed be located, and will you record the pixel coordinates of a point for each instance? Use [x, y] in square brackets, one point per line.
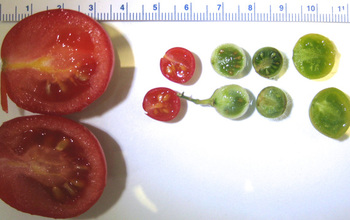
[170, 69]
[70, 189]
[166, 98]
[62, 86]
[57, 193]
[62, 144]
[165, 110]
[155, 111]
[183, 67]
[78, 183]
[48, 88]
[163, 98]
[82, 76]
[159, 97]
[82, 167]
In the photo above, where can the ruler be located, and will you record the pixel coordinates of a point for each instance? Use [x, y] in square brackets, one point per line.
[329, 11]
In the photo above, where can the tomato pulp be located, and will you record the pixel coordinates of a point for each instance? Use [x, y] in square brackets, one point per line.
[161, 104]
[178, 65]
[55, 62]
[50, 166]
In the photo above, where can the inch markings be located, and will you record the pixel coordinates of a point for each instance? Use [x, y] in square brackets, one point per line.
[238, 11]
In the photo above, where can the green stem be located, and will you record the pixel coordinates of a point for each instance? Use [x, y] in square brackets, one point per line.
[209, 101]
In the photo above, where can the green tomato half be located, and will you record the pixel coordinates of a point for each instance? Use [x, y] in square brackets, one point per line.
[330, 112]
[315, 56]
[229, 60]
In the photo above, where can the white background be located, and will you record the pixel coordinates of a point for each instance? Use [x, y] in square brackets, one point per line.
[202, 165]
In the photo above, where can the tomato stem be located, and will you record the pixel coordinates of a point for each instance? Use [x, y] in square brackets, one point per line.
[207, 102]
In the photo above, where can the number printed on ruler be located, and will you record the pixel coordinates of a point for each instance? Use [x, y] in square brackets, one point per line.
[195, 10]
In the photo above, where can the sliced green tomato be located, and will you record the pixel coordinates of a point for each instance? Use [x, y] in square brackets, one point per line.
[271, 102]
[228, 60]
[268, 62]
[315, 56]
[231, 101]
[330, 112]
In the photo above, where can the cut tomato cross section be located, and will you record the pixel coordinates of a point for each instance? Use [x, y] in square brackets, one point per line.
[55, 62]
[50, 166]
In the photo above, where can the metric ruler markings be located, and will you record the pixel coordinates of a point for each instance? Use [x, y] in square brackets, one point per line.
[217, 12]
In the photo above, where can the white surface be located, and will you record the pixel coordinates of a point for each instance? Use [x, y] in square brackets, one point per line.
[204, 166]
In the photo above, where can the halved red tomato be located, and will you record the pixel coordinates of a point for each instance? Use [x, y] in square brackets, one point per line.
[50, 166]
[162, 104]
[178, 65]
[55, 62]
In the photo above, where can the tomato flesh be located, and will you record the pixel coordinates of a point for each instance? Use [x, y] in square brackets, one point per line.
[178, 65]
[50, 166]
[161, 104]
[56, 62]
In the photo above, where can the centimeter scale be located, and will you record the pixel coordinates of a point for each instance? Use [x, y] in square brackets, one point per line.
[203, 10]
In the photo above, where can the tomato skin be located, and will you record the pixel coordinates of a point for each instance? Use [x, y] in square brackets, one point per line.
[178, 65]
[30, 168]
[56, 62]
[162, 104]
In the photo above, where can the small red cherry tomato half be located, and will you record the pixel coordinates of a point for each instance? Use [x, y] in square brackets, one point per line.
[178, 65]
[50, 166]
[162, 104]
[55, 62]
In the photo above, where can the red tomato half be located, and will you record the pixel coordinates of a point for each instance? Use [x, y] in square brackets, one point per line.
[178, 65]
[55, 62]
[162, 104]
[50, 166]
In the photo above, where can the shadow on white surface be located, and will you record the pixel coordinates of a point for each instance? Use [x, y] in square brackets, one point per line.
[197, 72]
[116, 175]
